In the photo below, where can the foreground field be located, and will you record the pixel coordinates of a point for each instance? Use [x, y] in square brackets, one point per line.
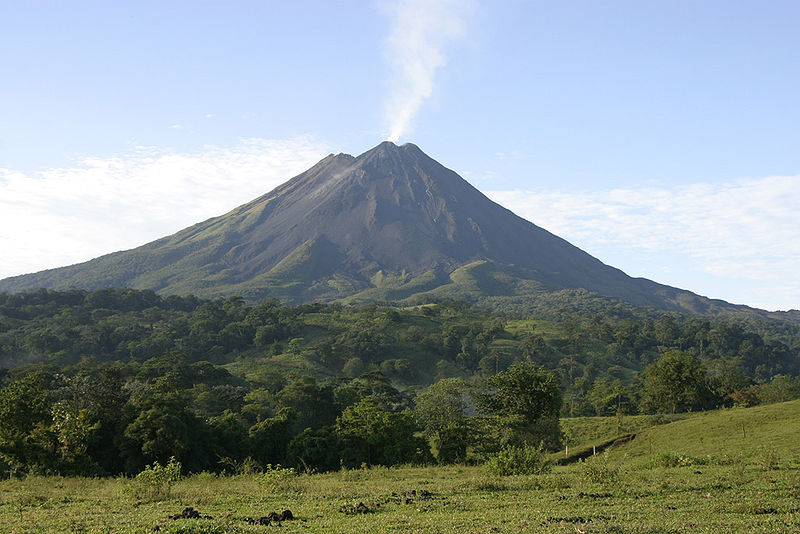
[726, 471]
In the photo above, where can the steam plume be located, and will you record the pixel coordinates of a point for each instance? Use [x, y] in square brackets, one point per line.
[420, 31]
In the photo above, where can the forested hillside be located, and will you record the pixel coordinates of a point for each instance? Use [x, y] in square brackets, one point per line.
[111, 380]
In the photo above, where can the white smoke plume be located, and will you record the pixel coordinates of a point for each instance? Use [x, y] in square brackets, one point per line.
[421, 29]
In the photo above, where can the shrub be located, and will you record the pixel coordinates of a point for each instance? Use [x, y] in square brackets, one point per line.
[247, 466]
[597, 470]
[276, 479]
[525, 460]
[156, 480]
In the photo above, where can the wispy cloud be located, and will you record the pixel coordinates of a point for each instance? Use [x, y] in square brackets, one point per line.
[747, 230]
[66, 215]
[420, 31]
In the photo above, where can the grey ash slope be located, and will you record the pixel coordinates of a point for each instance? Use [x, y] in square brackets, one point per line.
[389, 224]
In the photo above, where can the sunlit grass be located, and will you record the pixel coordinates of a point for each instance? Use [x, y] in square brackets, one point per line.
[688, 483]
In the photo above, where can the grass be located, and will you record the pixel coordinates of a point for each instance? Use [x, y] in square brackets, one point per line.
[587, 431]
[749, 433]
[722, 481]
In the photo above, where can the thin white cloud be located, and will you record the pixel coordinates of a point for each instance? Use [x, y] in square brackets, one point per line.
[420, 31]
[746, 231]
[62, 216]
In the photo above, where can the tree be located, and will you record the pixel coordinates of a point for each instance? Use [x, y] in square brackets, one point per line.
[724, 378]
[353, 367]
[441, 413]
[371, 384]
[526, 399]
[609, 397]
[361, 340]
[24, 419]
[228, 438]
[312, 404]
[236, 336]
[73, 431]
[164, 427]
[676, 382]
[106, 398]
[316, 449]
[534, 347]
[781, 388]
[379, 437]
[666, 331]
[270, 438]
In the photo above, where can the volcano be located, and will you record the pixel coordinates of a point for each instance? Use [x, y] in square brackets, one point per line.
[390, 224]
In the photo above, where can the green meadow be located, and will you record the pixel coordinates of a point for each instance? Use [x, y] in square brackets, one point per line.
[731, 470]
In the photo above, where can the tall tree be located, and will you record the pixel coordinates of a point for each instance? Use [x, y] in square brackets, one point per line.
[441, 413]
[676, 382]
[526, 399]
[270, 438]
[24, 419]
[378, 436]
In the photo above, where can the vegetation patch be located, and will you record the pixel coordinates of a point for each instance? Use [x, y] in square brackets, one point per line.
[523, 460]
[430, 415]
[155, 481]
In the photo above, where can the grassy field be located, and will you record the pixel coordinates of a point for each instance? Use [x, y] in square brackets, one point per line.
[734, 470]
[585, 431]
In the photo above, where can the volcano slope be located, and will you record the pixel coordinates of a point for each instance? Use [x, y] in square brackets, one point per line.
[388, 225]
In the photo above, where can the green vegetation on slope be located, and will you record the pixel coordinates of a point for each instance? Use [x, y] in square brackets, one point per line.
[120, 378]
[755, 434]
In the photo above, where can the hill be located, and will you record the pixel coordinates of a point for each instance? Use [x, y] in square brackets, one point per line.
[755, 433]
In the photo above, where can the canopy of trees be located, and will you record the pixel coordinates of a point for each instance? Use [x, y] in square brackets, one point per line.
[109, 381]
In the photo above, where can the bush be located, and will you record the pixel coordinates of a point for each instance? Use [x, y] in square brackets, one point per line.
[277, 480]
[156, 480]
[247, 466]
[525, 460]
[597, 470]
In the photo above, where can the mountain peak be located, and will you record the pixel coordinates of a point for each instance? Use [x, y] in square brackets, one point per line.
[392, 146]
[389, 151]
[389, 223]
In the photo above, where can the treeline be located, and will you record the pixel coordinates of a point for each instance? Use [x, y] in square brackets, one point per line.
[109, 381]
[62, 327]
[108, 418]
[601, 360]
[595, 353]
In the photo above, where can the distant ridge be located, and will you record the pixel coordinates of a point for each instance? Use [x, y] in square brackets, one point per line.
[390, 224]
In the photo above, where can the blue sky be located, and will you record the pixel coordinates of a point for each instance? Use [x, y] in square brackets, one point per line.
[662, 137]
